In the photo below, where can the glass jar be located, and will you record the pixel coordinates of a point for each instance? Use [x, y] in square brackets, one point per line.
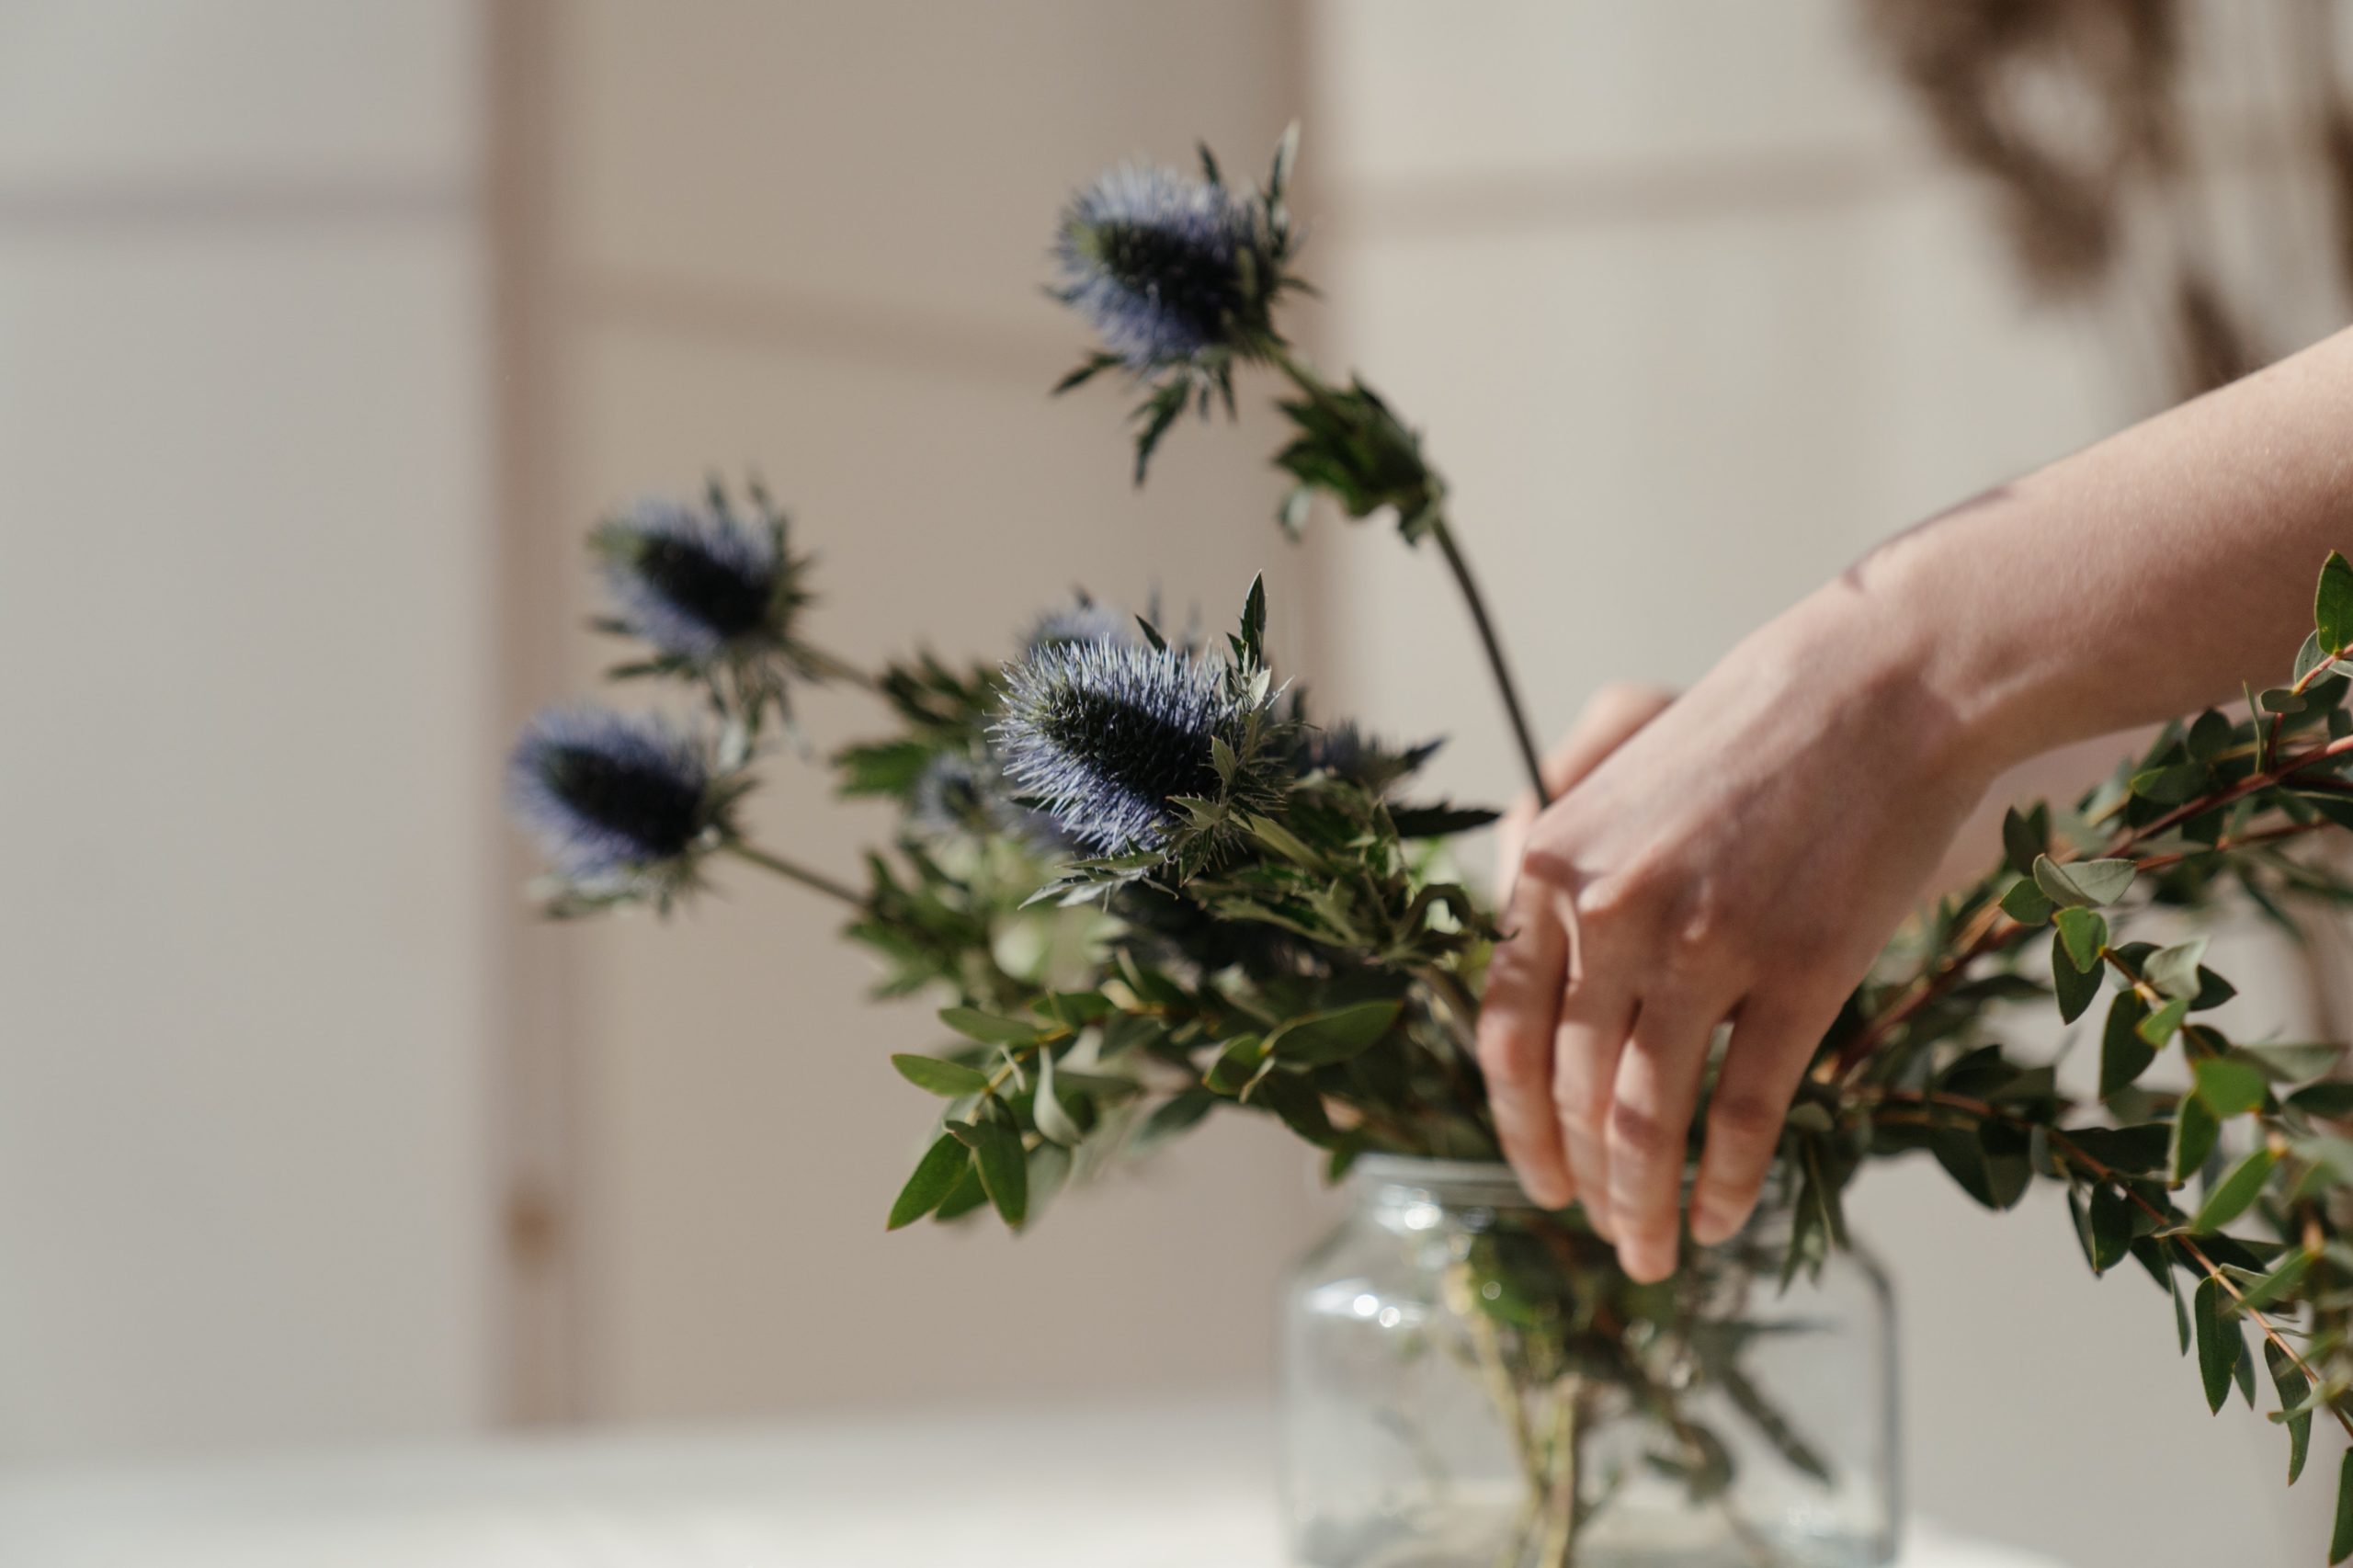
[1469, 1383]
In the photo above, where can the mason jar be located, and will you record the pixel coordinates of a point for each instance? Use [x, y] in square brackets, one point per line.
[1469, 1381]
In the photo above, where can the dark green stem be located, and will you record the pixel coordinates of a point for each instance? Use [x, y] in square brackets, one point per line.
[1433, 521]
[816, 881]
[1460, 567]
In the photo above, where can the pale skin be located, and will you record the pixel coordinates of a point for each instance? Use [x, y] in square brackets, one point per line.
[1741, 853]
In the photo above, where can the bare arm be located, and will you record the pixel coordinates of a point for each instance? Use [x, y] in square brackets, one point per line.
[1745, 854]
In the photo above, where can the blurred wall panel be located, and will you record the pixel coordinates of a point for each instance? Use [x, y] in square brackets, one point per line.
[1691, 318]
[807, 242]
[249, 755]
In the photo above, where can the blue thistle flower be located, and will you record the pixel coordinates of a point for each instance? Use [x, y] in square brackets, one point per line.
[1081, 620]
[1180, 278]
[695, 581]
[953, 794]
[1165, 267]
[621, 804]
[1109, 737]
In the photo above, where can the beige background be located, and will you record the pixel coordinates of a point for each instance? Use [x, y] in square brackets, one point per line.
[325, 330]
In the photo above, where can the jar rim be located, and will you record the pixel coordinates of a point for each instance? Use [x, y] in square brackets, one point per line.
[1493, 1183]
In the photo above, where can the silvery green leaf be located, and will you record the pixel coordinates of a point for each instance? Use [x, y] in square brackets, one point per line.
[2082, 883]
[2174, 970]
[1054, 1121]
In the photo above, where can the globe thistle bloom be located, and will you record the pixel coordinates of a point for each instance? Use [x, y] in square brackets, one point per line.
[1180, 278]
[1345, 752]
[1111, 739]
[715, 595]
[952, 795]
[622, 805]
[1165, 267]
[1080, 621]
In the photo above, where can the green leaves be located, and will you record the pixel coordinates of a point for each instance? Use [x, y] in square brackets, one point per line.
[2340, 1541]
[1053, 1119]
[2236, 1190]
[2024, 836]
[2162, 1025]
[2027, 904]
[2083, 936]
[2194, 1132]
[2229, 1087]
[2083, 884]
[1318, 1040]
[2174, 970]
[2220, 1345]
[947, 1079]
[2333, 605]
[2124, 1055]
[987, 1028]
[1003, 1163]
[935, 1175]
[2293, 1388]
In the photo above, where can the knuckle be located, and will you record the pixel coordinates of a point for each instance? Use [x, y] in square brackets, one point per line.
[1578, 1104]
[1635, 1131]
[1746, 1120]
[1619, 896]
[1509, 1060]
[1542, 867]
[1624, 699]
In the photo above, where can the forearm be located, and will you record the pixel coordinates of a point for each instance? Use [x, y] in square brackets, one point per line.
[2143, 578]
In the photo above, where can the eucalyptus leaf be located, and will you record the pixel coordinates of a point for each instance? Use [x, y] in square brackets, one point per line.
[2237, 1189]
[2333, 605]
[2216, 1354]
[2293, 1387]
[1053, 1119]
[987, 1028]
[935, 1175]
[2083, 884]
[1004, 1165]
[947, 1079]
[2229, 1086]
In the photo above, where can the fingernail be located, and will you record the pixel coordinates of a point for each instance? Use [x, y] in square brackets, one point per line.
[1644, 1265]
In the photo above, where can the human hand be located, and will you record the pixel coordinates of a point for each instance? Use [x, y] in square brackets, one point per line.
[1737, 855]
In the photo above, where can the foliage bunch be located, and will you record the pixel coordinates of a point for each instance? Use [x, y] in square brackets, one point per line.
[1148, 886]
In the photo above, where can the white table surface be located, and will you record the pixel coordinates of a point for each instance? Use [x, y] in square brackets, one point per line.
[1181, 1487]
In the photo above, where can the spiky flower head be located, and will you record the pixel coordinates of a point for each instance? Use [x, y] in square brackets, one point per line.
[716, 594]
[1082, 620]
[1345, 752]
[954, 795]
[624, 806]
[1144, 752]
[1178, 277]
[1163, 265]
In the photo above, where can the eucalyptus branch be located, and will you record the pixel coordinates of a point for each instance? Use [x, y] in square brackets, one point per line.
[1992, 930]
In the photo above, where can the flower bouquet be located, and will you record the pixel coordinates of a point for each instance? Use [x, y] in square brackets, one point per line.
[1149, 884]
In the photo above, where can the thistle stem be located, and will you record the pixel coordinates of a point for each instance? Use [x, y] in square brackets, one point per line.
[816, 881]
[1315, 387]
[1460, 567]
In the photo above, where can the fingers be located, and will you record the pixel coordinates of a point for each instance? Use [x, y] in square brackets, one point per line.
[1595, 1013]
[1655, 1091]
[1608, 721]
[1515, 1021]
[1771, 1044]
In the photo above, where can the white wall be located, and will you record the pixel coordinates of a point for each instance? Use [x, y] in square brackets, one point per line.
[248, 755]
[808, 241]
[1691, 317]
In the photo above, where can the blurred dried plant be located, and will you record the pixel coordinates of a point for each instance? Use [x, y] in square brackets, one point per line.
[2077, 114]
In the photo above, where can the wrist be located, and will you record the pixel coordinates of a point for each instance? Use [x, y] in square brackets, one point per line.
[1942, 705]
